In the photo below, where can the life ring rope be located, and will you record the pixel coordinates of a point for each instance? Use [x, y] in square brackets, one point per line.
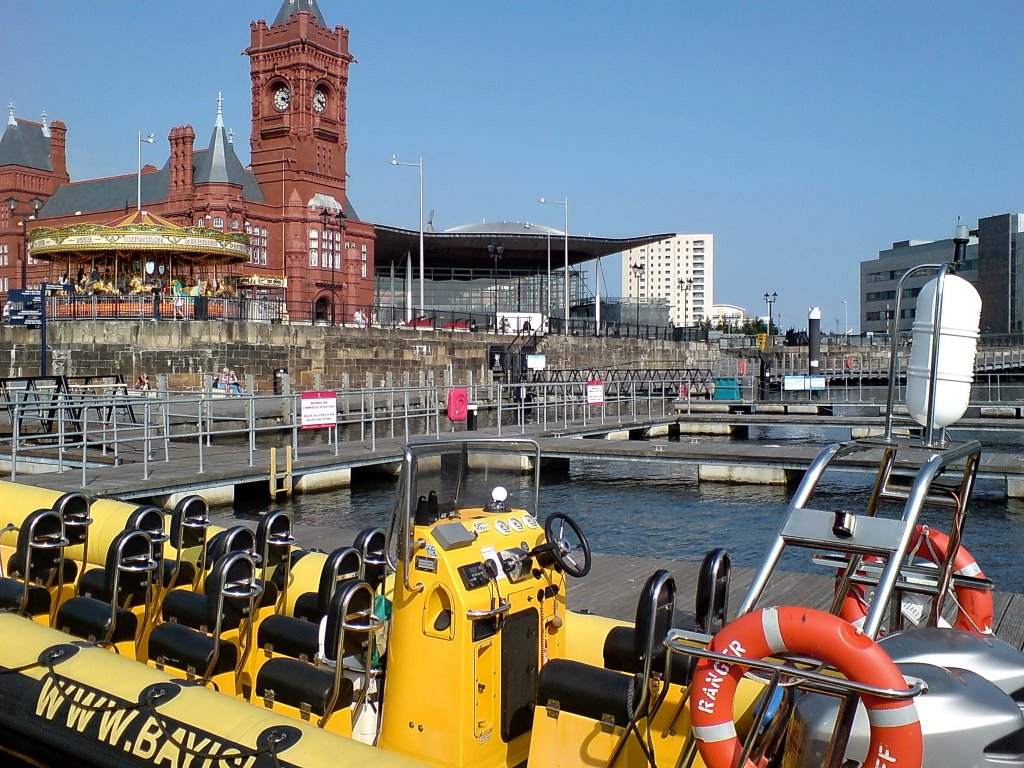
[974, 607]
[895, 728]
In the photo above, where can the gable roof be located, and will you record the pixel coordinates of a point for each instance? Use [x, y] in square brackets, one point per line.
[24, 143]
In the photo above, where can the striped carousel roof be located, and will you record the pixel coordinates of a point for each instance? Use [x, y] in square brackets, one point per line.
[138, 231]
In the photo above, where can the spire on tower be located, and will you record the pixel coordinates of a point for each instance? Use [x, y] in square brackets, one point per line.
[290, 7]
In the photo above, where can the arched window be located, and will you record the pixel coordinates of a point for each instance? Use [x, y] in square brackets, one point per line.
[218, 223]
[234, 224]
[314, 257]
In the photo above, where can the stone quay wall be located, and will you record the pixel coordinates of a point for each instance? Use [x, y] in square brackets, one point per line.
[189, 354]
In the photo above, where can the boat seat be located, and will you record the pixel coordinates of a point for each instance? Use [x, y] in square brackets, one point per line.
[190, 608]
[620, 646]
[190, 521]
[371, 543]
[588, 691]
[127, 573]
[37, 558]
[608, 694]
[620, 655]
[13, 591]
[322, 687]
[274, 541]
[298, 684]
[91, 582]
[231, 590]
[300, 638]
[341, 563]
[185, 648]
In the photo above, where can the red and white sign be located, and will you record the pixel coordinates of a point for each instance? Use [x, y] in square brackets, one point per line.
[319, 410]
[595, 392]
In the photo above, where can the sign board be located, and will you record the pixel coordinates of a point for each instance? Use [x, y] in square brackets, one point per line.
[536, 362]
[595, 392]
[497, 358]
[803, 383]
[23, 295]
[319, 410]
[57, 286]
[762, 340]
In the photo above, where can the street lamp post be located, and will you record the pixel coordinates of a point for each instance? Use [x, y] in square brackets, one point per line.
[12, 205]
[138, 189]
[846, 324]
[564, 202]
[684, 286]
[637, 270]
[417, 164]
[495, 252]
[770, 299]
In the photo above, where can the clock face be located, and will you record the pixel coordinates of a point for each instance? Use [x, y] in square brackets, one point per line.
[282, 97]
[319, 100]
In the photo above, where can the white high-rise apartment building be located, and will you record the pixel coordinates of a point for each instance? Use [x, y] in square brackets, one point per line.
[680, 269]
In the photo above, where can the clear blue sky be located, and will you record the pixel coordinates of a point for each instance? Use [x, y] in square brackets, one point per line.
[805, 135]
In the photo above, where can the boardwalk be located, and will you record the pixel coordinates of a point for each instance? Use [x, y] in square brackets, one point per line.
[613, 585]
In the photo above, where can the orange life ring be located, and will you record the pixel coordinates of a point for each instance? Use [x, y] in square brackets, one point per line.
[975, 610]
[895, 727]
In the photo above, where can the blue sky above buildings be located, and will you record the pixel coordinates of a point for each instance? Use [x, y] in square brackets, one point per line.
[806, 136]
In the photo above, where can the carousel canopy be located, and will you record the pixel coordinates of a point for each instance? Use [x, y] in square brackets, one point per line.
[139, 232]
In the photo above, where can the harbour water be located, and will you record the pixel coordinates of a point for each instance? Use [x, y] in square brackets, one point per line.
[659, 510]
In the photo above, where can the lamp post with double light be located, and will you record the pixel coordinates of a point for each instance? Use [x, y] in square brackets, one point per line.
[564, 202]
[638, 271]
[138, 188]
[685, 285]
[417, 164]
[770, 299]
[24, 218]
[495, 252]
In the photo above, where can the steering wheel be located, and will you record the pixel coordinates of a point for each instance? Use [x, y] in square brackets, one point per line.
[564, 544]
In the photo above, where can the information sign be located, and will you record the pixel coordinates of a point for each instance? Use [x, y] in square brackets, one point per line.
[595, 392]
[319, 410]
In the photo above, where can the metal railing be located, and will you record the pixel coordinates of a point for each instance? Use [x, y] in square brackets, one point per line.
[78, 431]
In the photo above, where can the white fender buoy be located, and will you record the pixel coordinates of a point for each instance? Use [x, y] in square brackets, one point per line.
[958, 326]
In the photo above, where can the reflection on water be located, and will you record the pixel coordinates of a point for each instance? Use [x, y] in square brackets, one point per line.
[658, 510]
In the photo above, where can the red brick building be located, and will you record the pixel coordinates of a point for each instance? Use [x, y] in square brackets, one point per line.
[299, 71]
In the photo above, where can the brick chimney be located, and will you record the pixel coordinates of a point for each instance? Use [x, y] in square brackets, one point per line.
[182, 139]
[58, 151]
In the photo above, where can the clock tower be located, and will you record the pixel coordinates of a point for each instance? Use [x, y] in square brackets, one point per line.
[299, 70]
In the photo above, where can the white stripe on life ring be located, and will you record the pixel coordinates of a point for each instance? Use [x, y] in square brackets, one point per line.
[971, 569]
[772, 632]
[893, 718]
[711, 733]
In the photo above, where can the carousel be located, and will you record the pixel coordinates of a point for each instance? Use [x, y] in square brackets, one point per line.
[138, 260]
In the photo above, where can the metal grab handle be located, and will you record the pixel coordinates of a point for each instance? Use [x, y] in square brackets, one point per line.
[374, 622]
[242, 589]
[49, 541]
[137, 564]
[815, 681]
[503, 607]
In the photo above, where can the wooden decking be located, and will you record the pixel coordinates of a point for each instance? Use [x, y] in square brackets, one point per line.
[612, 587]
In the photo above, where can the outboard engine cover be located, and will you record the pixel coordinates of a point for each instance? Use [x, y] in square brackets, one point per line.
[988, 656]
[965, 721]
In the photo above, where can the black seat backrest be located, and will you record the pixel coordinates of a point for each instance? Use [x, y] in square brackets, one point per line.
[712, 602]
[342, 563]
[233, 574]
[371, 543]
[40, 547]
[274, 538]
[654, 612]
[129, 567]
[238, 538]
[150, 520]
[190, 520]
[74, 508]
[351, 597]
